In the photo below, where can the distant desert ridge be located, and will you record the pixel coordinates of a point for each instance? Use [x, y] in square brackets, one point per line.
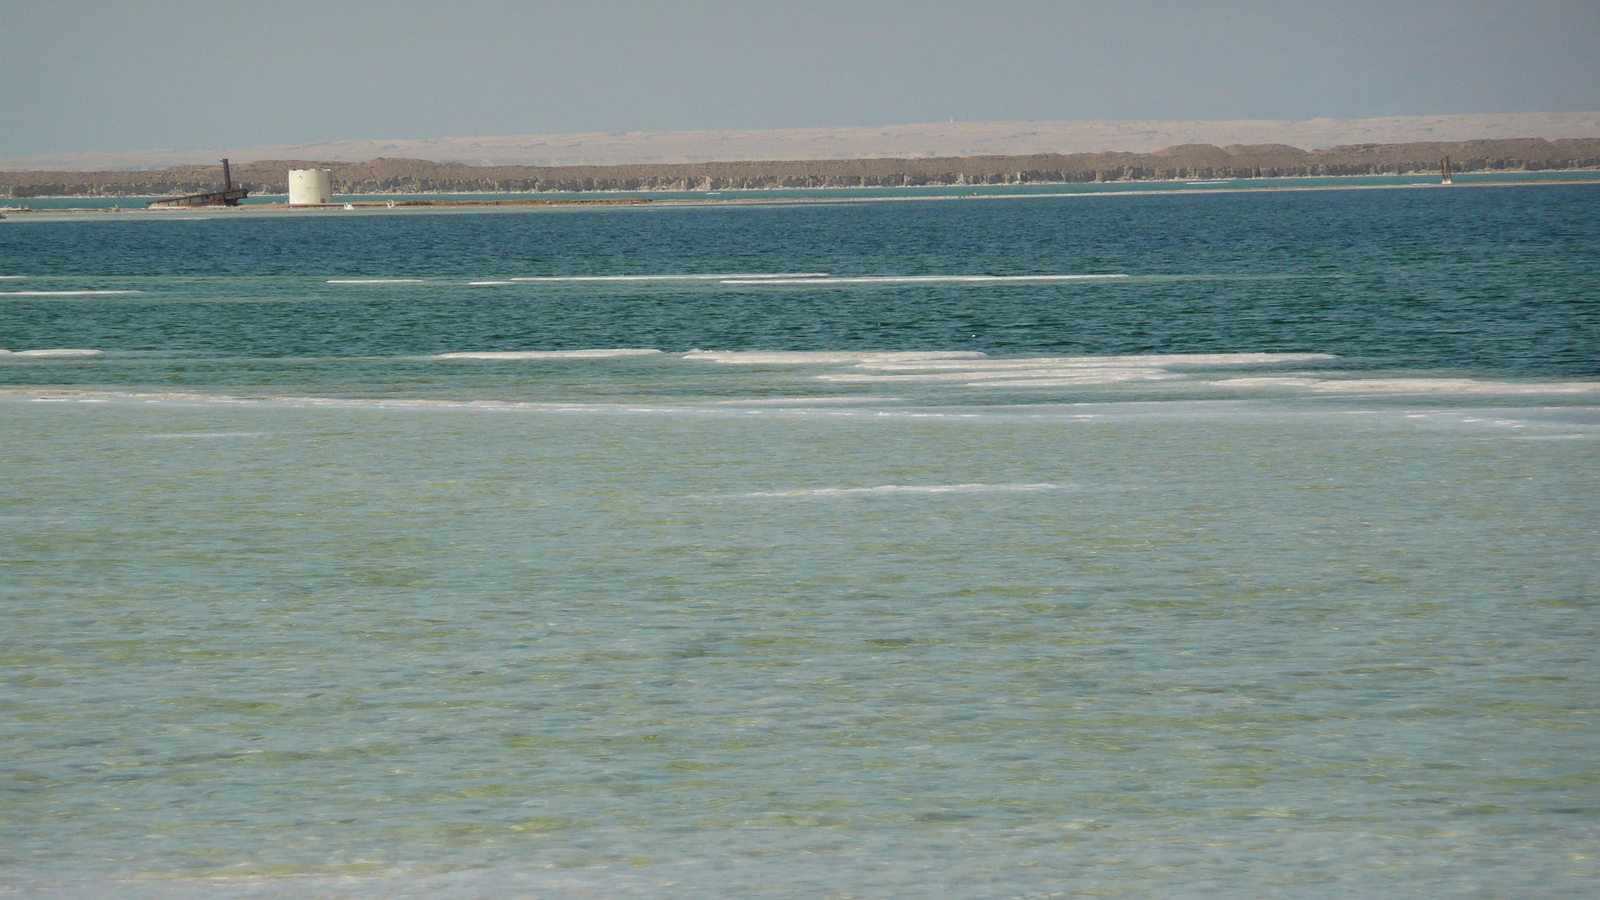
[953, 139]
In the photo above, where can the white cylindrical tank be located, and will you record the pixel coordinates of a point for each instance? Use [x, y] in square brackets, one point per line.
[310, 186]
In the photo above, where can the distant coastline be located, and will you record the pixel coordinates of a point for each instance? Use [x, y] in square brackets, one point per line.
[1184, 162]
[513, 201]
[1233, 184]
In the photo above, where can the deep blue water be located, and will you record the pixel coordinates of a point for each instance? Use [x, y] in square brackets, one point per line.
[1484, 280]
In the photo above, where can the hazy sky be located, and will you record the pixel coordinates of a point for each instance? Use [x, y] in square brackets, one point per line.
[84, 75]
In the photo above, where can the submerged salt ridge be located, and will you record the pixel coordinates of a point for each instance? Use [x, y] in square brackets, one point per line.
[809, 357]
[941, 376]
[906, 489]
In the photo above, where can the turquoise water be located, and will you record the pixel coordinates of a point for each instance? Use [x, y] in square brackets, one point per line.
[1262, 567]
[987, 190]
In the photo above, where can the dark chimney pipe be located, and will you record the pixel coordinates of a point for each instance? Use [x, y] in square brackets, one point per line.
[227, 177]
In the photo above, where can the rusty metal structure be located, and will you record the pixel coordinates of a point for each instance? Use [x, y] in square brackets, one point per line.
[228, 196]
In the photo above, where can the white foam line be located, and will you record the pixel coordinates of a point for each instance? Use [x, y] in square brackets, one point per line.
[887, 489]
[62, 293]
[752, 277]
[52, 352]
[488, 283]
[926, 279]
[375, 280]
[12, 277]
[547, 354]
[811, 357]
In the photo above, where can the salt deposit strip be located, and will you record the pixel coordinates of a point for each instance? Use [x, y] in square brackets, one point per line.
[892, 489]
[63, 352]
[927, 279]
[63, 293]
[1058, 362]
[821, 357]
[546, 354]
[1415, 385]
[1058, 371]
[737, 277]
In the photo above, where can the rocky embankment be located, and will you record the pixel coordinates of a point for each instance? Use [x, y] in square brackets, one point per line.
[1187, 161]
